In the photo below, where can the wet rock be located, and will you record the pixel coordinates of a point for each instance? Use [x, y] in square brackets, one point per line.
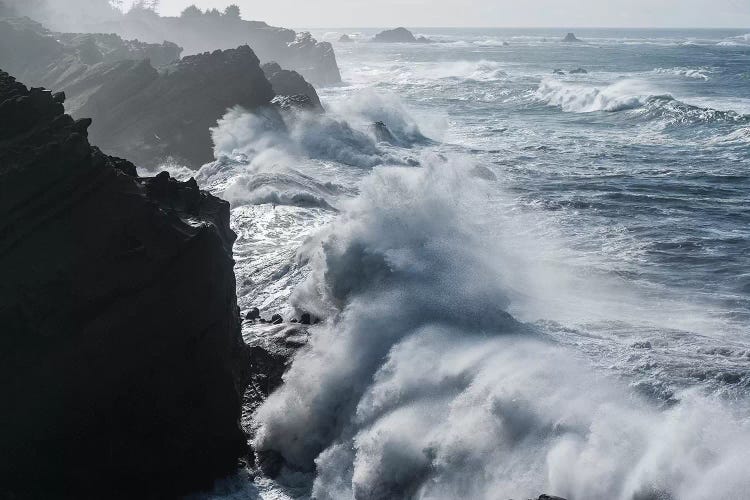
[294, 102]
[291, 84]
[276, 319]
[558, 72]
[382, 134]
[122, 366]
[305, 319]
[253, 314]
[578, 71]
[570, 37]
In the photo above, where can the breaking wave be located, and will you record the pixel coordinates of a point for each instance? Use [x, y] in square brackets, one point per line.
[420, 385]
[627, 95]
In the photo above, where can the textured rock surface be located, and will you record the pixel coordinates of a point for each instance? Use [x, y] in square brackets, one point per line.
[316, 61]
[149, 115]
[65, 61]
[290, 83]
[122, 366]
[139, 111]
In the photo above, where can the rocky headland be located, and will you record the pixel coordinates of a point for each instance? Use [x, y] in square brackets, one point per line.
[122, 364]
[146, 103]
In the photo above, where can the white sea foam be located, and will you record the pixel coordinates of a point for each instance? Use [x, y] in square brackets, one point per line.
[420, 384]
[697, 73]
[583, 98]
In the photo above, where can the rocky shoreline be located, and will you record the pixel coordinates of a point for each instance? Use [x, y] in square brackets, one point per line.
[122, 365]
[146, 103]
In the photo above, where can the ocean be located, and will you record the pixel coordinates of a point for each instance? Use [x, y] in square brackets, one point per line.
[530, 280]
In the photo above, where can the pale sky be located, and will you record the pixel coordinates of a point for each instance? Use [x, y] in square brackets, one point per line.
[485, 13]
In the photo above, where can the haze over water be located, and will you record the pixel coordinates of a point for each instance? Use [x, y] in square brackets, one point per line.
[538, 282]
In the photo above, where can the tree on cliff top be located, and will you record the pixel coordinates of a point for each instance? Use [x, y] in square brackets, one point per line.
[191, 11]
[232, 11]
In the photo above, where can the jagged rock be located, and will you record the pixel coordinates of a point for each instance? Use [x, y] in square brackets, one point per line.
[121, 361]
[578, 71]
[382, 134]
[570, 37]
[292, 102]
[346, 39]
[149, 116]
[60, 61]
[290, 83]
[315, 60]
[397, 35]
[253, 314]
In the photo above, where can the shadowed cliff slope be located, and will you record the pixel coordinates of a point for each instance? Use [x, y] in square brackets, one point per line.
[121, 361]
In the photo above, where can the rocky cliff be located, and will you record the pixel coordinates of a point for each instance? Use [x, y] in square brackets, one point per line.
[122, 366]
[146, 104]
[314, 60]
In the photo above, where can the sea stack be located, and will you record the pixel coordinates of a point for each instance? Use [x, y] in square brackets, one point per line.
[570, 38]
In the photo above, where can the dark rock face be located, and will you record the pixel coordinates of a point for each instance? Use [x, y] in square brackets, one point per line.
[316, 61]
[290, 83]
[62, 61]
[150, 115]
[122, 367]
[570, 37]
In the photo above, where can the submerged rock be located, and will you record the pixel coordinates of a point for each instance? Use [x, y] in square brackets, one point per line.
[122, 366]
[558, 72]
[570, 37]
[578, 71]
[345, 38]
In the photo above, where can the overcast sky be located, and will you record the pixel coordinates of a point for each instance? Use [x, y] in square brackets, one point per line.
[485, 13]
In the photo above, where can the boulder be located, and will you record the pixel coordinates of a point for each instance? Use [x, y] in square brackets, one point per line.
[276, 319]
[253, 314]
[122, 365]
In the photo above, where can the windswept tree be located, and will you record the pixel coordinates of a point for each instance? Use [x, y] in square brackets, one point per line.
[232, 11]
[191, 11]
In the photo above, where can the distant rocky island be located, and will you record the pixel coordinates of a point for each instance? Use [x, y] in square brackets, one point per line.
[146, 102]
[399, 35]
[570, 38]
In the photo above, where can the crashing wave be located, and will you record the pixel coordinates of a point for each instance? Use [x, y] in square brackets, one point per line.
[630, 95]
[420, 385]
[696, 73]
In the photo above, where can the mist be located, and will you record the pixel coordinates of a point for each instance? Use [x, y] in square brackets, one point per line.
[488, 13]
